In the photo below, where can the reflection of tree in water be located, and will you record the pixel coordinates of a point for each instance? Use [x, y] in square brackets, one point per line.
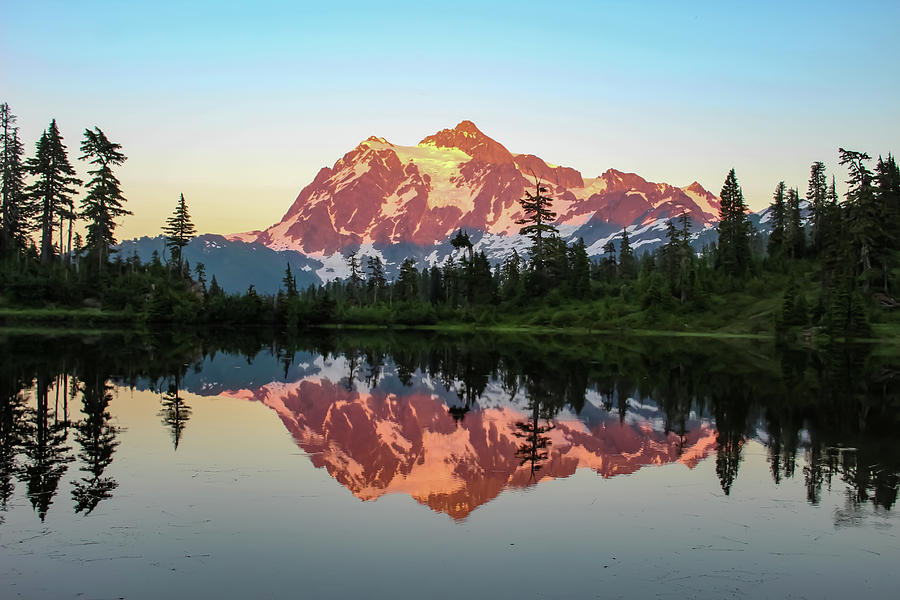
[731, 405]
[12, 436]
[45, 450]
[352, 367]
[374, 364]
[97, 438]
[470, 385]
[543, 404]
[175, 411]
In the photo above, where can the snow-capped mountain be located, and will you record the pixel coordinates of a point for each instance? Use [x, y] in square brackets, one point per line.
[396, 201]
[375, 441]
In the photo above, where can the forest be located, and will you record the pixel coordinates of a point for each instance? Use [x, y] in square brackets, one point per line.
[828, 267]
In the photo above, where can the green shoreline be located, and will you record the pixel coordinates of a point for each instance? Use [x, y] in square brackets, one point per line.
[96, 321]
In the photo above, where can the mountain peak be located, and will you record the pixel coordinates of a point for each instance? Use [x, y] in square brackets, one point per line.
[471, 140]
[695, 187]
[467, 126]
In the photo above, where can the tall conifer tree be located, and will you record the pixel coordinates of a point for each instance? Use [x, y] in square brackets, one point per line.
[538, 222]
[777, 210]
[104, 199]
[734, 228]
[817, 196]
[52, 190]
[14, 209]
[179, 230]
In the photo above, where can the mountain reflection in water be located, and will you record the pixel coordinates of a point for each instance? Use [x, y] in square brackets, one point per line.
[454, 421]
[376, 442]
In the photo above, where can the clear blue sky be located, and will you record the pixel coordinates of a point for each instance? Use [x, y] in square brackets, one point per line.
[238, 105]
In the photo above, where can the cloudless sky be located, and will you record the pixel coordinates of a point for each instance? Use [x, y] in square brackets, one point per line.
[238, 105]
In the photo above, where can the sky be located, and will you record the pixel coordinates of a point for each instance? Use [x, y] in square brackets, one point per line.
[238, 105]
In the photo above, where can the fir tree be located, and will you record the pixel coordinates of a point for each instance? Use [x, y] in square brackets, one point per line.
[734, 229]
[887, 179]
[537, 222]
[104, 199]
[15, 211]
[289, 282]
[817, 197]
[356, 280]
[179, 231]
[408, 281]
[52, 190]
[580, 269]
[376, 281]
[627, 264]
[795, 238]
[864, 219]
[777, 211]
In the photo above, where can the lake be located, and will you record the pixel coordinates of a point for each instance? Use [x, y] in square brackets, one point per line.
[400, 465]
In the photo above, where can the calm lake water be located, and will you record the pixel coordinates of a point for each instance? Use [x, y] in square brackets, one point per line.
[380, 465]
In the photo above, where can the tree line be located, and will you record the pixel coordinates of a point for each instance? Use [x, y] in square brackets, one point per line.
[829, 264]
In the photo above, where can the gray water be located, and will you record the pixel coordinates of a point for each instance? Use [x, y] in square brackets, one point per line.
[378, 466]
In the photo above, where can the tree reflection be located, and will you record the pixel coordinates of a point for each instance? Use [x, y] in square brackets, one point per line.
[97, 437]
[46, 452]
[12, 436]
[175, 411]
[543, 404]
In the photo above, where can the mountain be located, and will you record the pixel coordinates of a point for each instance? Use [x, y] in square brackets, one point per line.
[378, 441]
[236, 265]
[396, 201]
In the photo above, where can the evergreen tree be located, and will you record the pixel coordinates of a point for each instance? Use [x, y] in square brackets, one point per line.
[887, 178]
[627, 264]
[179, 231]
[289, 282]
[355, 282]
[777, 211]
[408, 281]
[608, 266]
[377, 281]
[795, 238]
[817, 197]
[104, 199]
[461, 240]
[14, 209]
[214, 288]
[537, 223]
[52, 190]
[580, 269]
[734, 229]
[864, 219]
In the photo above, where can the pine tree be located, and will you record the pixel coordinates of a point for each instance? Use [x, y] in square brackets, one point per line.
[795, 237]
[627, 263]
[53, 188]
[461, 240]
[104, 199]
[355, 282]
[777, 210]
[408, 281]
[179, 231]
[377, 281]
[15, 211]
[817, 196]
[289, 282]
[734, 229]
[864, 219]
[887, 192]
[537, 222]
[580, 269]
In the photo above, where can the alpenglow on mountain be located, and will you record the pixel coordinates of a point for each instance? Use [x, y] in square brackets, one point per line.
[382, 196]
[392, 201]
